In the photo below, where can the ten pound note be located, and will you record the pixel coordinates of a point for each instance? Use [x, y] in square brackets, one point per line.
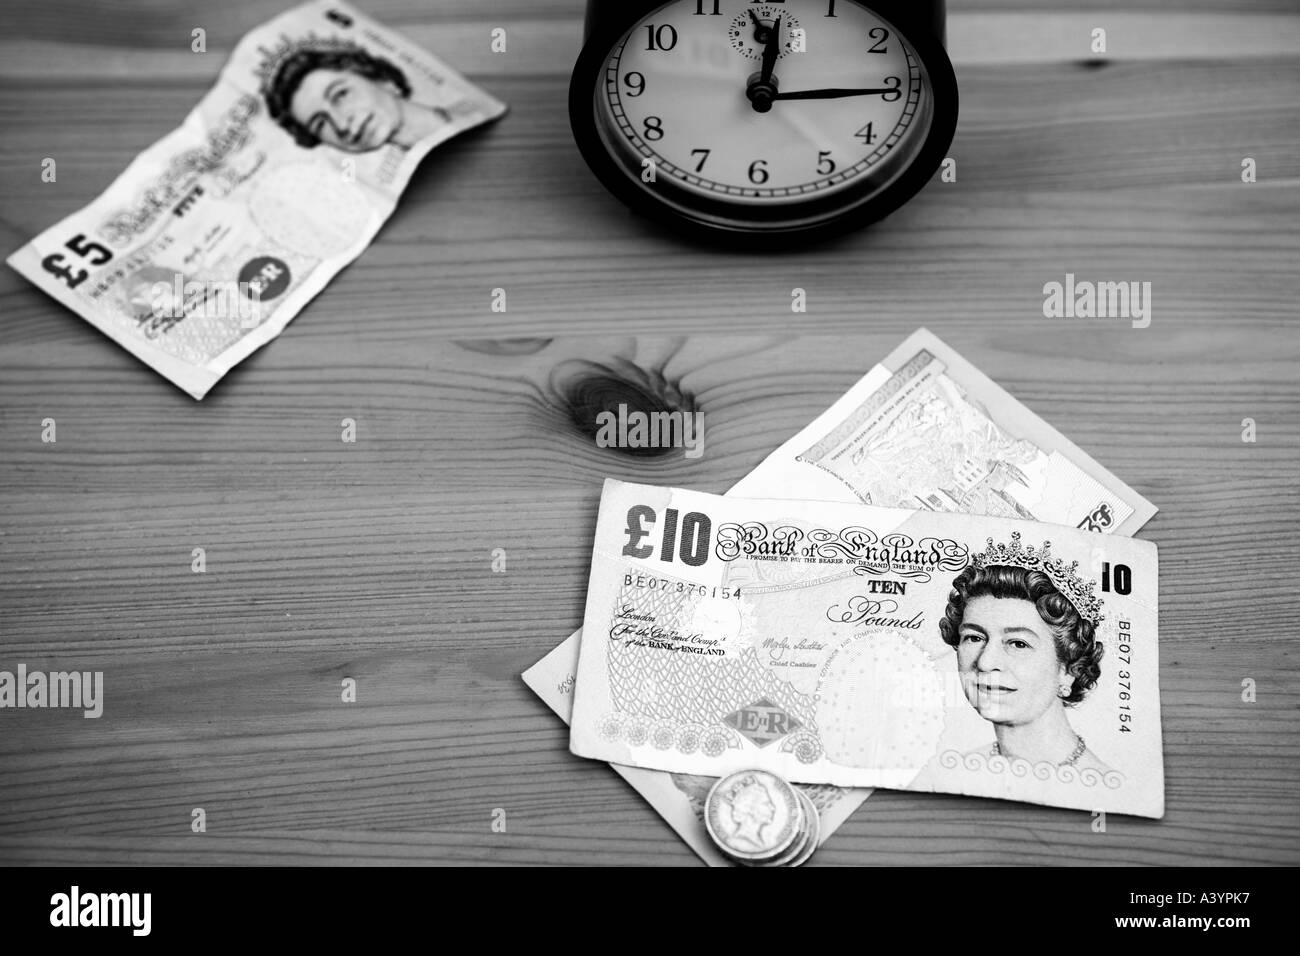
[214, 238]
[861, 646]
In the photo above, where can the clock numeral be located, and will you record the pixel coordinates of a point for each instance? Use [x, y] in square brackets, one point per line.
[635, 83]
[661, 38]
[703, 159]
[825, 165]
[866, 135]
[895, 89]
[699, 8]
[654, 128]
[758, 173]
[831, 11]
[881, 36]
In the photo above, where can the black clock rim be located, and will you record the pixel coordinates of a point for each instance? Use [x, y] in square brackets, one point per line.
[589, 70]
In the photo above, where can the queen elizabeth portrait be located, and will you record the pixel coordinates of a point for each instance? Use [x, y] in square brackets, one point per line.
[1024, 630]
[349, 99]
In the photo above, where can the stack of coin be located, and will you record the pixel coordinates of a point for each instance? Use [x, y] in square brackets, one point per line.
[758, 819]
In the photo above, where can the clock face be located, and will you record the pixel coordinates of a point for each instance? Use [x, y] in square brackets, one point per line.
[759, 106]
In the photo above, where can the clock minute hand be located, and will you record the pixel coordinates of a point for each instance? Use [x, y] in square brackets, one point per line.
[832, 94]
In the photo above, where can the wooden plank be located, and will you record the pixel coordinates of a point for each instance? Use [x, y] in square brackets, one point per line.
[548, 47]
[579, 263]
[223, 687]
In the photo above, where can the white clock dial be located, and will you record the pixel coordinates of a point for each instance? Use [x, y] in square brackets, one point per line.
[685, 93]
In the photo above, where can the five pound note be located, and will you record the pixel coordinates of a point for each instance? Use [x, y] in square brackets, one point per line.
[216, 236]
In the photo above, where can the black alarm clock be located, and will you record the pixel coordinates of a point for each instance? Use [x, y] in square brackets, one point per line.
[764, 122]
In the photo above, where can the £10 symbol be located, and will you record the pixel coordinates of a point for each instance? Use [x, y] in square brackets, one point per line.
[695, 530]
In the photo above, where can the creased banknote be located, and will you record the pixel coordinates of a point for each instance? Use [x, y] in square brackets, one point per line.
[216, 236]
[987, 409]
[926, 429]
[861, 646]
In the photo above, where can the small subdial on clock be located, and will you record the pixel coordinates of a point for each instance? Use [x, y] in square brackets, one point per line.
[741, 31]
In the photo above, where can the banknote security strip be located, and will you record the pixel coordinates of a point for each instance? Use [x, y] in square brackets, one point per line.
[216, 236]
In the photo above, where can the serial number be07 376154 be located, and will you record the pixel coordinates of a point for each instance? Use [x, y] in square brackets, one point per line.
[1125, 650]
[648, 582]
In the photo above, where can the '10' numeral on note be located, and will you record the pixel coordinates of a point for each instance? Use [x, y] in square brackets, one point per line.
[1123, 579]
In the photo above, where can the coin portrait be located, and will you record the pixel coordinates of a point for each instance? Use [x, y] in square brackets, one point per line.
[753, 814]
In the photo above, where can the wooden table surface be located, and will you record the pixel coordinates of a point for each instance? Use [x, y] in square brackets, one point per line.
[373, 560]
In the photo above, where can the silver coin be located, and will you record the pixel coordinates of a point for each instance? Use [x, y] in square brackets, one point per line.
[784, 858]
[814, 832]
[753, 815]
[804, 843]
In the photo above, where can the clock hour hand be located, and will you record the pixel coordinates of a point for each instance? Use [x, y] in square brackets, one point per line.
[771, 51]
[762, 90]
[833, 94]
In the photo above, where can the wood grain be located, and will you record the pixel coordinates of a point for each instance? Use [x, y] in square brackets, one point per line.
[373, 560]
